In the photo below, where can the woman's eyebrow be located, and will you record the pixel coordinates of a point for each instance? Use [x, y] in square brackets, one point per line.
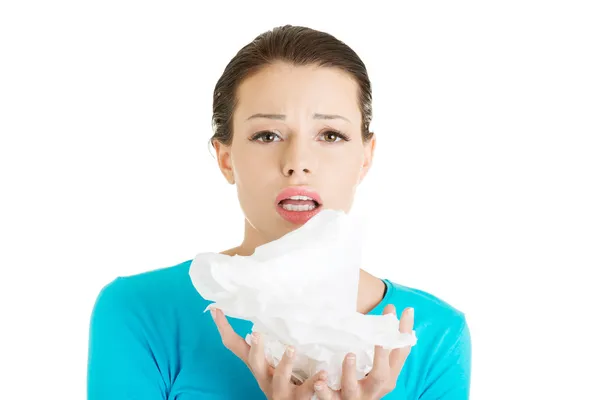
[282, 116]
[269, 116]
[329, 116]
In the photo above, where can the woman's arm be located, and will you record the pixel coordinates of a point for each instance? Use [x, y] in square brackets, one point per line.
[121, 363]
[449, 376]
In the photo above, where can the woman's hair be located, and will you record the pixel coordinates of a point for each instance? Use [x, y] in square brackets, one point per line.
[296, 45]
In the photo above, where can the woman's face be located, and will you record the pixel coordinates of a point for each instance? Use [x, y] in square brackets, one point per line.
[298, 128]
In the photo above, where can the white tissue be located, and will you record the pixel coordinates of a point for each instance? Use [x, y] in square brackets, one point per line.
[302, 290]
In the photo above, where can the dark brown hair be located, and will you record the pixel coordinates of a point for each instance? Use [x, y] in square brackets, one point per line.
[297, 45]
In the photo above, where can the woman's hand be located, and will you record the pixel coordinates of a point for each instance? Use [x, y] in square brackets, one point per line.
[274, 382]
[382, 378]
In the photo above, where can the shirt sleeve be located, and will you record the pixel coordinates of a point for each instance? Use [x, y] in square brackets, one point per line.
[121, 364]
[449, 377]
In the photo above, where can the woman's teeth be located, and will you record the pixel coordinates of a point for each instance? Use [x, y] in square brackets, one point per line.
[301, 198]
[299, 203]
[293, 207]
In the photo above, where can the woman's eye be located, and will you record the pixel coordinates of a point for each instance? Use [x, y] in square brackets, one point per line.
[265, 137]
[332, 136]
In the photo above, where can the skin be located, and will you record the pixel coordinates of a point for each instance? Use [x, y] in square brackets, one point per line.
[300, 126]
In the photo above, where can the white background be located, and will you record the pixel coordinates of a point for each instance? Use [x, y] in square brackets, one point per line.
[484, 192]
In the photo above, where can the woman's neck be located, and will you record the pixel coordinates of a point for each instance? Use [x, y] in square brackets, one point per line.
[370, 288]
[370, 292]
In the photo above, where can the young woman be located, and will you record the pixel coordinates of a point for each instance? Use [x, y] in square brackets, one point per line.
[291, 116]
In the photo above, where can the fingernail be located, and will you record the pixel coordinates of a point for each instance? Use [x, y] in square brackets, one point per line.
[255, 337]
[318, 387]
[323, 376]
[411, 312]
[290, 351]
[351, 359]
[213, 313]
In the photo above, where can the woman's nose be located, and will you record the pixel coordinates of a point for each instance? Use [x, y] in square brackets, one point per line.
[298, 159]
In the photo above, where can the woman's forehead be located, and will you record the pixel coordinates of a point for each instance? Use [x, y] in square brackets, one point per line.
[283, 89]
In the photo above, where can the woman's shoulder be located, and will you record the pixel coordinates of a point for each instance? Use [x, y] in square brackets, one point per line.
[440, 362]
[437, 321]
[425, 303]
[150, 282]
[157, 289]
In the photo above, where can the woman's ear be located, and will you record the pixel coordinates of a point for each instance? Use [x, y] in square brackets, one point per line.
[368, 157]
[224, 160]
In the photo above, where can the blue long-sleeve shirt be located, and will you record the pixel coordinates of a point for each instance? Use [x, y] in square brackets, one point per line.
[150, 339]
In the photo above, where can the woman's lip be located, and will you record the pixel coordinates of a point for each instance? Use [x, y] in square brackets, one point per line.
[298, 191]
[297, 217]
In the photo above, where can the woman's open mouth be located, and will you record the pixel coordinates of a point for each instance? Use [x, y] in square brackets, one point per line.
[297, 205]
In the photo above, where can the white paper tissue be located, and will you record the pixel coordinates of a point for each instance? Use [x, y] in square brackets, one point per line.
[302, 290]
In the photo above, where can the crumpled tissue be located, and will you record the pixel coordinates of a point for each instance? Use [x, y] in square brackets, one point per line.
[302, 290]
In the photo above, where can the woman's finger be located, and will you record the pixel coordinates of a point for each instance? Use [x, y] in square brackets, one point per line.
[324, 392]
[283, 373]
[307, 388]
[389, 309]
[378, 381]
[257, 361]
[349, 381]
[399, 356]
[230, 338]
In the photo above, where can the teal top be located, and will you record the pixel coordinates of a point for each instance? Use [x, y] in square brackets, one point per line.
[150, 339]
